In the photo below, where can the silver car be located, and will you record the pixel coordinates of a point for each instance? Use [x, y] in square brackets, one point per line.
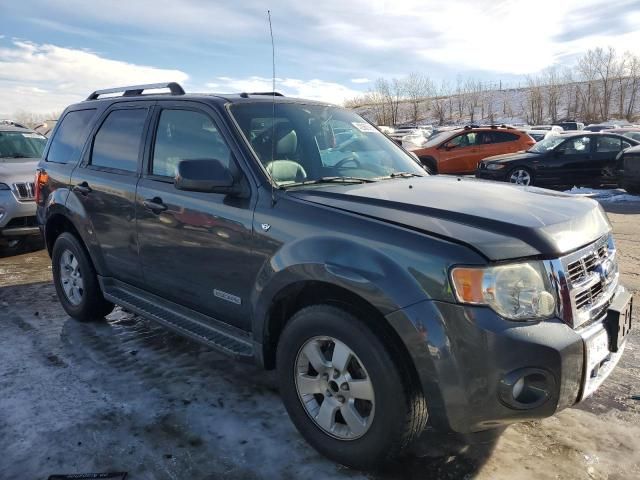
[20, 150]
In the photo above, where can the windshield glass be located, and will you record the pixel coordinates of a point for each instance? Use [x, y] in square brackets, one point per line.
[313, 142]
[21, 145]
[436, 138]
[547, 144]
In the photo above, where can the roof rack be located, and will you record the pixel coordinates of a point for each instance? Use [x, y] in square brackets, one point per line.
[12, 123]
[271, 94]
[135, 90]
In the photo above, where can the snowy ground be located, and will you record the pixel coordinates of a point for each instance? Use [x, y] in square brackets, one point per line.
[614, 195]
[126, 395]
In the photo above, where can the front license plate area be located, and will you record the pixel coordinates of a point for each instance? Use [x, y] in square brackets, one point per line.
[618, 322]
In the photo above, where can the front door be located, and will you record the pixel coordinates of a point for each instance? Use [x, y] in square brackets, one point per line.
[195, 247]
[569, 163]
[105, 184]
[459, 153]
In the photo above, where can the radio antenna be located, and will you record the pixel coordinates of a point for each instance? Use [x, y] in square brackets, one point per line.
[273, 109]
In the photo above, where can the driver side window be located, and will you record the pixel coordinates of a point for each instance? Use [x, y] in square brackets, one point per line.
[464, 140]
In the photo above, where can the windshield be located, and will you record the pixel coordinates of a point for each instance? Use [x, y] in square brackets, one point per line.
[436, 138]
[316, 142]
[21, 145]
[547, 144]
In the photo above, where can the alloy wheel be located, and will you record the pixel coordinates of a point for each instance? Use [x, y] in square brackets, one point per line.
[334, 388]
[520, 177]
[71, 277]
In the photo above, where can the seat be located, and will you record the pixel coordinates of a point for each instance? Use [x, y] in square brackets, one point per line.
[283, 169]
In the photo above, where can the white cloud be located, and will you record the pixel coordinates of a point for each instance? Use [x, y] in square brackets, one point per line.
[360, 80]
[315, 89]
[45, 78]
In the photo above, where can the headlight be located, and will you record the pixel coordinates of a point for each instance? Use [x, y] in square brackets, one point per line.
[495, 166]
[517, 291]
[4, 186]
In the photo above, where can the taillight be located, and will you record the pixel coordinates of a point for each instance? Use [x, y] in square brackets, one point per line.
[40, 181]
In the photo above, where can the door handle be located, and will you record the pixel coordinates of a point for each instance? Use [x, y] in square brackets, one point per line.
[155, 204]
[82, 188]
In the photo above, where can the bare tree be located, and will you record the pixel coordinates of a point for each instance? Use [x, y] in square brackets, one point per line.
[535, 101]
[418, 89]
[553, 91]
[440, 102]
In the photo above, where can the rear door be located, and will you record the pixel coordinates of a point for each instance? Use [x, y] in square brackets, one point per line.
[105, 184]
[195, 247]
[603, 164]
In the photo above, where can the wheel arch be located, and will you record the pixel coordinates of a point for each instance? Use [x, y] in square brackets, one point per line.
[298, 295]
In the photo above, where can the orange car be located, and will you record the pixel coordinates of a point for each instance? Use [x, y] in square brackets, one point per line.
[459, 151]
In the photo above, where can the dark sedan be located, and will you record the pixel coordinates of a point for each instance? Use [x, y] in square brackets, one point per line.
[574, 159]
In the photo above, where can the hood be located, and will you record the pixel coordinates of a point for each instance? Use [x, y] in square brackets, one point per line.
[15, 170]
[509, 157]
[499, 220]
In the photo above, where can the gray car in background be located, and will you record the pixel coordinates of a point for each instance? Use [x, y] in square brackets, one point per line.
[20, 151]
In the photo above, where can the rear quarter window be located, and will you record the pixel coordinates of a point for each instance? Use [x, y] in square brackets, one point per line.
[69, 137]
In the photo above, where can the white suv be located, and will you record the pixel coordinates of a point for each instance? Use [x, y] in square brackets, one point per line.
[20, 150]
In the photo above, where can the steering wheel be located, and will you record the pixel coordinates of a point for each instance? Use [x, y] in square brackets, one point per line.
[351, 158]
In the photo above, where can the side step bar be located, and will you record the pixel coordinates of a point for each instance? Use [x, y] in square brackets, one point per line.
[187, 322]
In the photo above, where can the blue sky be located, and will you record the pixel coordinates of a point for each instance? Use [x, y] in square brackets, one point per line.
[54, 52]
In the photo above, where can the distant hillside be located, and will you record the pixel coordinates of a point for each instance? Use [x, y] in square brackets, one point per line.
[534, 104]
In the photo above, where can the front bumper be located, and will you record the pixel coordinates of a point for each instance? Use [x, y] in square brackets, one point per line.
[468, 359]
[486, 174]
[17, 218]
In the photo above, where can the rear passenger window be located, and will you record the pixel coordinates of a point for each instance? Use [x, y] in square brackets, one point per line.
[500, 137]
[70, 137]
[608, 144]
[117, 142]
[186, 135]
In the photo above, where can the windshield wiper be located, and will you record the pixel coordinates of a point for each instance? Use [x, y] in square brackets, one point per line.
[320, 180]
[399, 175]
[17, 155]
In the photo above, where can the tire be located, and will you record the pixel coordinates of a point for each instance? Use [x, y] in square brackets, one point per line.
[86, 302]
[525, 171]
[396, 415]
[430, 164]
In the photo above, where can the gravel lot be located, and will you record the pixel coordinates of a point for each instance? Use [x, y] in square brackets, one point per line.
[126, 395]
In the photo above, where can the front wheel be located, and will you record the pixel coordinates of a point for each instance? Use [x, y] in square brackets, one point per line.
[521, 176]
[75, 280]
[345, 390]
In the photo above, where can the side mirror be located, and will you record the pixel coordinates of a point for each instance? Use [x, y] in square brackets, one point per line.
[204, 175]
[448, 146]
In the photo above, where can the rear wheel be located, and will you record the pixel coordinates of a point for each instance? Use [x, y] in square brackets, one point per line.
[75, 280]
[345, 390]
[521, 176]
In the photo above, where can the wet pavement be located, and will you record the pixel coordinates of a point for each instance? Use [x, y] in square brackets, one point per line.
[126, 395]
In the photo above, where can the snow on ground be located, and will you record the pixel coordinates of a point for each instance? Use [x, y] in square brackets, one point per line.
[613, 195]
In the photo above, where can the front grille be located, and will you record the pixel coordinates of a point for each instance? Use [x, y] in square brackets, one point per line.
[24, 190]
[21, 222]
[591, 278]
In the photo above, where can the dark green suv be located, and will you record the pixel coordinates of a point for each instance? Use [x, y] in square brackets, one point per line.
[294, 234]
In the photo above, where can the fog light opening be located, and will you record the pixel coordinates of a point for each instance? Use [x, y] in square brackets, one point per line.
[526, 388]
